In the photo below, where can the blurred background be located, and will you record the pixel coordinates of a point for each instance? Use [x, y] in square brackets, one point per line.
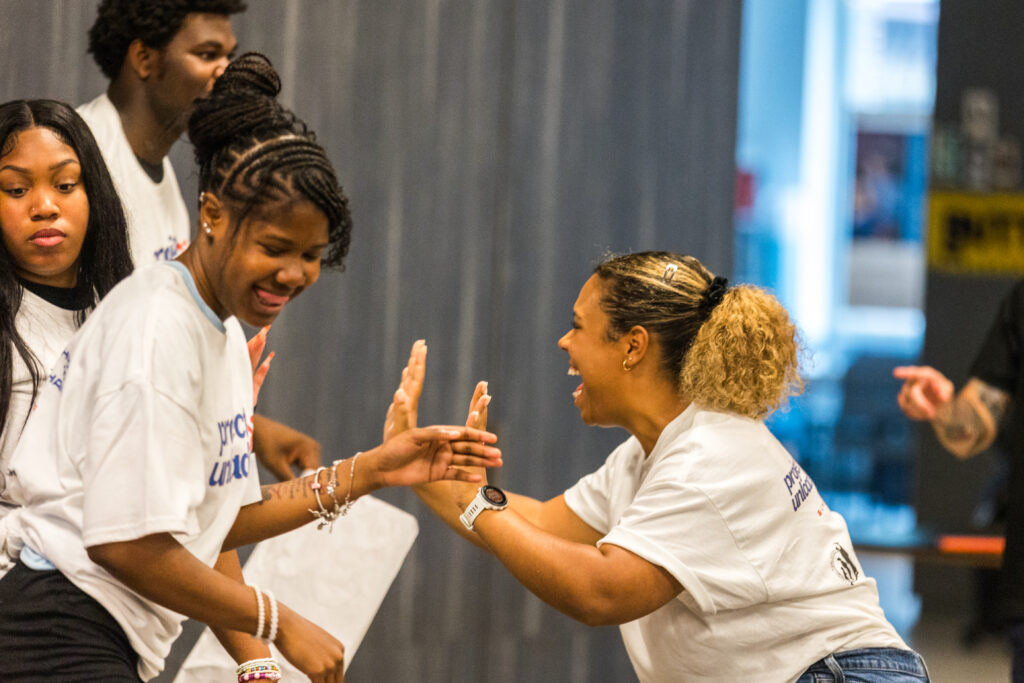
[494, 151]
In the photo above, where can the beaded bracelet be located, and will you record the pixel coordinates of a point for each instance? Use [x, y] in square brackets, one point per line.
[272, 632]
[259, 612]
[266, 669]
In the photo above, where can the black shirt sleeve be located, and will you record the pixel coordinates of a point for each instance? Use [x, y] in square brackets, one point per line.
[999, 361]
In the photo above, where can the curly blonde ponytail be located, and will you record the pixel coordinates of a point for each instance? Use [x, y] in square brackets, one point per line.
[744, 358]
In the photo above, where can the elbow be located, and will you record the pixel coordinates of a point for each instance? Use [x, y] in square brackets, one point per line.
[106, 556]
[595, 619]
[596, 610]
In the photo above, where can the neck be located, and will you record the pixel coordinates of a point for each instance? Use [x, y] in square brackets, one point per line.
[193, 260]
[657, 404]
[149, 137]
[65, 280]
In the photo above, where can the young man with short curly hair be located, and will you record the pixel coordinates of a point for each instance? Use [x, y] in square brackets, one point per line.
[160, 56]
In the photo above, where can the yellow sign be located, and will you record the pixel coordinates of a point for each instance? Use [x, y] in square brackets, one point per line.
[976, 232]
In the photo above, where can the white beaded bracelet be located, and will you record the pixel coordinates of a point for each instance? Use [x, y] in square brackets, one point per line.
[260, 615]
[272, 634]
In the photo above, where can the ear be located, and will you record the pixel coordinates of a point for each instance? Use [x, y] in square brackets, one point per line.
[141, 59]
[213, 213]
[638, 342]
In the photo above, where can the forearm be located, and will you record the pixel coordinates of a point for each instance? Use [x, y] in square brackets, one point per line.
[574, 578]
[242, 647]
[438, 497]
[162, 570]
[290, 504]
[962, 428]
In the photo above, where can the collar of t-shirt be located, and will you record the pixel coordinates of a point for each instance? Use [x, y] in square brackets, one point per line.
[154, 171]
[186, 275]
[74, 298]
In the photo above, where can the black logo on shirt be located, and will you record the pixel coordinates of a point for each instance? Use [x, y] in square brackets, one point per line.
[843, 565]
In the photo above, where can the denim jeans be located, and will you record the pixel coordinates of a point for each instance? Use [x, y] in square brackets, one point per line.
[869, 665]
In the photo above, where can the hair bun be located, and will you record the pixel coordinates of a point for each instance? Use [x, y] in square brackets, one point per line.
[250, 73]
[242, 105]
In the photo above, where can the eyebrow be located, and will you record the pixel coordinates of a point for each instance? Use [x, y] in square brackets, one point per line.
[25, 171]
[217, 45]
[282, 240]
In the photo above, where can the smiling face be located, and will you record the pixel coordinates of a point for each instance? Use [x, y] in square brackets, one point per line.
[595, 358]
[272, 258]
[44, 210]
[187, 67]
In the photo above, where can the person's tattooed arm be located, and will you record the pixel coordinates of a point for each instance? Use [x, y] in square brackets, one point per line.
[969, 423]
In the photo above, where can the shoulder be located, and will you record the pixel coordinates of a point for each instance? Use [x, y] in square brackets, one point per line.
[146, 329]
[154, 301]
[105, 123]
[720, 429]
[715, 445]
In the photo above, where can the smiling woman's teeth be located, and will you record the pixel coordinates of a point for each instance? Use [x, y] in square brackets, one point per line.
[576, 394]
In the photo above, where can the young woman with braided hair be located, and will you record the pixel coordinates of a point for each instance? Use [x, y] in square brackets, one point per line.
[136, 469]
[700, 536]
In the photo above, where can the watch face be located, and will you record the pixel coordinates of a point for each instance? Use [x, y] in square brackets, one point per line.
[494, 495]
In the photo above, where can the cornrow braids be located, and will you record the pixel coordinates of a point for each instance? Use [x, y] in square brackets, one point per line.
[154, 22]
[252, 151]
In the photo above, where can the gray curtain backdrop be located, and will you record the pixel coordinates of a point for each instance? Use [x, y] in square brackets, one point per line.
[493, 152]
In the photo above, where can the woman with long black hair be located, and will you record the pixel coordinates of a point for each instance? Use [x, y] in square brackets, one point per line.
[65, 245]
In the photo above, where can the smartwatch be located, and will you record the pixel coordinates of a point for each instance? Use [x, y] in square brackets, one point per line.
[487, 498]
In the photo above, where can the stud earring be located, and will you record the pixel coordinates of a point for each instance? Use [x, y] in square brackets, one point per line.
[202, 197]
[207, 229]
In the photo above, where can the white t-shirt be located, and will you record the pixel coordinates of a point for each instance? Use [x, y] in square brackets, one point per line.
[158, 222]
[771, 583]
[46, 329]
[145, 427]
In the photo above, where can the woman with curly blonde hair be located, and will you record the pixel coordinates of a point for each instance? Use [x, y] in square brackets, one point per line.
[700, 536]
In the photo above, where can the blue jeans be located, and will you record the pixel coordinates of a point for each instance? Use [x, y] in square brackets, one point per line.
[869, 665]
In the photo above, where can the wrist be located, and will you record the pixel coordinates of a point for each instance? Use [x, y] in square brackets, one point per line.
[487, 498]
[367, 476]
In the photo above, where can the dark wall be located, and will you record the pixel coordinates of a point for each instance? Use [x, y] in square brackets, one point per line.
[493, 151]
[979, 46]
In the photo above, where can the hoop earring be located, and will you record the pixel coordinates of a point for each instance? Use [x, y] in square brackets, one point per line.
[625, 367]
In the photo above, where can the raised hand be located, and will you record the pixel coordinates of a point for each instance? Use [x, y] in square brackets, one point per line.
[428, 454]
[403, 411]
[925, 390]
[259, 370]
[477, 417]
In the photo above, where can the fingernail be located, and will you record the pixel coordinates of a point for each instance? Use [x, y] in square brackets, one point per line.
[486, 399]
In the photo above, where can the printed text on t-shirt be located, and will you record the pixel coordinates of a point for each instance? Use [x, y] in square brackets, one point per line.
[65, 361]
[798, 484]
[234, 431]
